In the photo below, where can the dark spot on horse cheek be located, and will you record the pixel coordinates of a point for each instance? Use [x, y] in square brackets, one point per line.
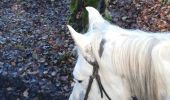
[101, 48]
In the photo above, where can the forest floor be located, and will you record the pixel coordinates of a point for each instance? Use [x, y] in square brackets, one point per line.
[35, 49]
[36, 60]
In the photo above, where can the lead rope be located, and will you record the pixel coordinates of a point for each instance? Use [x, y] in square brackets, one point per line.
[95, 75]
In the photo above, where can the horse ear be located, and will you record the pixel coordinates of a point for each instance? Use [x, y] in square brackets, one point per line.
[79, 39]
[82, 42]
[95, 19]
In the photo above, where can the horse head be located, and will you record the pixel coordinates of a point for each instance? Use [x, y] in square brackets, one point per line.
[85, 46]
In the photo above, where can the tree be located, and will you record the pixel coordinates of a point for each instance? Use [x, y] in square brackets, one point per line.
[79, 18]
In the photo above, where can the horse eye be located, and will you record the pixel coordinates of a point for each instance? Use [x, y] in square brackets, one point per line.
[76, 80]
[80, 81]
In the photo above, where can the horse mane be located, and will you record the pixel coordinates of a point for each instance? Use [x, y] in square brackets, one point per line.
[133, 60]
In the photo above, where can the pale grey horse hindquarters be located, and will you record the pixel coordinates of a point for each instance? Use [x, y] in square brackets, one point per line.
[131, 62]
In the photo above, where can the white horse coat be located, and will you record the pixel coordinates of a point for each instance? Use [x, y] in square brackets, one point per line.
[132, 63]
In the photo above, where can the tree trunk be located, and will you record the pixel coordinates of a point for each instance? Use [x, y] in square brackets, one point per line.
[79, 16]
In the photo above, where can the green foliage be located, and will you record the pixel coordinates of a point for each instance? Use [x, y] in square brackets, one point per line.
[92, 3]
[73, 5]
[166, 2]
[107, 15]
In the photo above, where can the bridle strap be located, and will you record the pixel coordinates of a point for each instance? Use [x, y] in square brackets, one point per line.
[95, 75]
[102, 88]
[88, 88]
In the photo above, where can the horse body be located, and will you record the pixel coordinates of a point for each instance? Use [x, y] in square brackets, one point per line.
[132, 62]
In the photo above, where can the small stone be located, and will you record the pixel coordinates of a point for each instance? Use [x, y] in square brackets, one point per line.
[71, 45]
[14, 74]
[58, 84]
[66, 41]
[1, 33]
[2, 40]
[65, 87]
[60, 53]
[34, 55]
[64, 78]
[25, 94]
[9, 89]
[4, 73]
[69, 49]
[63, 26]
[45, 72]
[41, 60]
[66, 45]
[20, 69]
[1, 71]
[67, 32]
[13, 63]
[53, 73]
[46, 64]
[124, 18]
[1, 64]
[45, 37]
[55, 61]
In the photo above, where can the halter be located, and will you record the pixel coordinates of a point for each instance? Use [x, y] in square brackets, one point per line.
[97, 77]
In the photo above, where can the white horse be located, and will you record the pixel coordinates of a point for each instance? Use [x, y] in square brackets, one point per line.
[132, 63]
